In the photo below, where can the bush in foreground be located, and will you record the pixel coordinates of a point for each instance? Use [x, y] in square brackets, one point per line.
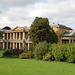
[13, 52]
[64, 52]
[27, 55]
[48, 57]
[40, 50]
[7, 53]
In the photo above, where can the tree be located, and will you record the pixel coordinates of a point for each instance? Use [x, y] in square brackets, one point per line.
[1, 33]
[40, 31]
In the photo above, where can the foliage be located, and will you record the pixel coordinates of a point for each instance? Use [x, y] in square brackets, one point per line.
[18, 51]
[48, 56]
[27, 55]
[23, 55]
[40, 50]
[32, 48]
[64, 52]
[70, 53]
[58, 53]
[24, 48]
[7, 53]
[13, 52]
[10, 56]
[1, 33]
[30, 54]
[41, 31]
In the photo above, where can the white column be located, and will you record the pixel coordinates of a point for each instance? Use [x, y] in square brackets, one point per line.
[19, 35]
[7, 36]
[72, 41]
[16, 35]
[28, 36]
[3, 45]
[28, 46]
[19, 45]
[13, 45]
[23, 35]
[69, 41]
[3, 42]
[10, 36]
[7, 45]
[28, 40]
[61, 41]
[10, 45]
[13, 36]
[16, 45]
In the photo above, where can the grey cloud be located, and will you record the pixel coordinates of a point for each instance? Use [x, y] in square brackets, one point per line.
[62, 11]
[7, 3]
[1, 11]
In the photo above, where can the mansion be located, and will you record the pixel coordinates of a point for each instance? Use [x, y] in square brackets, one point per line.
[19, 36]
[15, 38]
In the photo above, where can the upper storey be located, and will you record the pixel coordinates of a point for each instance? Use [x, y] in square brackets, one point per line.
[18, 33]
[18, 29]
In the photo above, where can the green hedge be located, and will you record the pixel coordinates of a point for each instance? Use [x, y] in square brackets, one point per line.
[27, 55]
[40, 50]
[64, 52]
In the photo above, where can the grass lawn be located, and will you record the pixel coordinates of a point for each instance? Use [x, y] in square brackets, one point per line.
[16, 66]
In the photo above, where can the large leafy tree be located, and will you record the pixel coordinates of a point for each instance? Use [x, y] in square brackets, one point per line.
[1, 33]
[40, 31]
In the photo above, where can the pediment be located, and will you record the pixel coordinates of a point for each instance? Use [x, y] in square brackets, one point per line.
[17, 29]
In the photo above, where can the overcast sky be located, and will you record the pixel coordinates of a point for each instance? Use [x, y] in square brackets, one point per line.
[23, 12]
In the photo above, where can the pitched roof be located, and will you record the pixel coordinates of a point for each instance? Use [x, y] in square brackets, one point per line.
[6, 28]
[60, 26]
[69, 33]
[23, 28]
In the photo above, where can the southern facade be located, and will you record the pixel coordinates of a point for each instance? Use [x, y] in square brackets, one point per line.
[19, 36]
[15, 38]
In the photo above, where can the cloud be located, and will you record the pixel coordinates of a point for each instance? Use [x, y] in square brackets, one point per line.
[58, 12]
[7, 3]
[23, 12]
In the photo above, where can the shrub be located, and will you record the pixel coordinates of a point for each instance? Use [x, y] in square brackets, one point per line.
[7, 53]
[70, 53]
[30, 54]
[40, 50]
[24, 48]
[59, 52]
[18, 52]
[13, 52]
[23, 56]
[32, 48]
[48, 56]
[64, 52]
[27, 55]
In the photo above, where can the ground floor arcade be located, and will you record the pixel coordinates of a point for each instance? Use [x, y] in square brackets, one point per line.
[68, 39]
[13, 45]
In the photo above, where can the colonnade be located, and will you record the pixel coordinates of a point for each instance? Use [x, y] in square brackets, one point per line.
[69, 41]
[16, 40]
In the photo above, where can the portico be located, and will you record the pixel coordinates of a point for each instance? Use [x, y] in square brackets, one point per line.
[16, 38]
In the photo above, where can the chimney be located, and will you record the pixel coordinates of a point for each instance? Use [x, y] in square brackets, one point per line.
[53, 23]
